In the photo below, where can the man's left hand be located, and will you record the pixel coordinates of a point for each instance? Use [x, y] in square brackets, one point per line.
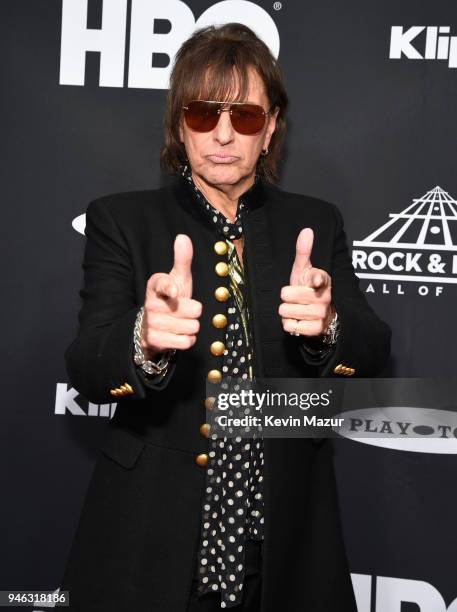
[306, 305]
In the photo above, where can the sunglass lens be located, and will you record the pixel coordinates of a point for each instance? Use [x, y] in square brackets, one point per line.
[201, 116]
[247, 118]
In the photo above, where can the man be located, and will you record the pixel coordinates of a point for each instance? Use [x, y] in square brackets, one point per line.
[218, 277]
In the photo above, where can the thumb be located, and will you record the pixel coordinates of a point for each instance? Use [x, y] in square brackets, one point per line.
[181, 271]
[302, 260]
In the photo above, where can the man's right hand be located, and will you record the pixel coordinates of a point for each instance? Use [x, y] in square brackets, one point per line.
[170, 318]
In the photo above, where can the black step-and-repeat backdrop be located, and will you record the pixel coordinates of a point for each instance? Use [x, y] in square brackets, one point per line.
[372, 127]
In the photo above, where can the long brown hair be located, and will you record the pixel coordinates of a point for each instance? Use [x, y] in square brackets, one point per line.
[204, 69]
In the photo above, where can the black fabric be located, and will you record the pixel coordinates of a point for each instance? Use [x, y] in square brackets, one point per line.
[233, 506]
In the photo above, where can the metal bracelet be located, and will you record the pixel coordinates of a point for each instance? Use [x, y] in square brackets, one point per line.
[148, 366]
[333, 331]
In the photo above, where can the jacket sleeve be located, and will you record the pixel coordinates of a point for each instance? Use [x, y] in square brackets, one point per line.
[364, 339]
[100, 358]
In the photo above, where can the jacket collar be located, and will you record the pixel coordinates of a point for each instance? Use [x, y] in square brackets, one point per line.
[254, 198]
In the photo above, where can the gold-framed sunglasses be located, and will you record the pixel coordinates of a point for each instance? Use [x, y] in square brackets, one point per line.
[246, 118]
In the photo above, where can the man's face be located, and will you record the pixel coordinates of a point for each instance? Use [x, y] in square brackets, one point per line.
[223, 157]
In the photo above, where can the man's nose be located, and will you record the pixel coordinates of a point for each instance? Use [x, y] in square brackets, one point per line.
[224, 132]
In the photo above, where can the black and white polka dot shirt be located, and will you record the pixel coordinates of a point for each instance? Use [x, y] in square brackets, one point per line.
[233, 504]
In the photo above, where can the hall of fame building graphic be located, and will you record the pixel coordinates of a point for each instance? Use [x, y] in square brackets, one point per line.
[416, 245]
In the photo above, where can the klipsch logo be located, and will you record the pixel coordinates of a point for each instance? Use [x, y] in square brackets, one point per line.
[423, 43]
[66, 404]
[417, 245]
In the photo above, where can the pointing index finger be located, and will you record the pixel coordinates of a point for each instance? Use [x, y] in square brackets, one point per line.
[164, 284]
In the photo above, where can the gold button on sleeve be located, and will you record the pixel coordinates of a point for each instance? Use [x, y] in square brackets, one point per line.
[219, 320]
[220, 247]
[222, 268]
[215, 376]
[221, 294]
[202, 460]
[217, 348]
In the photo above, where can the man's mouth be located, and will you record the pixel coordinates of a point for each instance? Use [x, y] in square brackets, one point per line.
[222, 158]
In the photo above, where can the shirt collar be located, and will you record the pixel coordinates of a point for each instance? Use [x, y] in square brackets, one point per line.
[253, 198]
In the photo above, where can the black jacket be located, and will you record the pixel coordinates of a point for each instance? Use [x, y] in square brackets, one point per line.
[136, 542]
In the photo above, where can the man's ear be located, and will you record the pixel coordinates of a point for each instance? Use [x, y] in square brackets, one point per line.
[271, 127]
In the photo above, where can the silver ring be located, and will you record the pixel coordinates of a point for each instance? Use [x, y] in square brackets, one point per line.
[295, 332]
